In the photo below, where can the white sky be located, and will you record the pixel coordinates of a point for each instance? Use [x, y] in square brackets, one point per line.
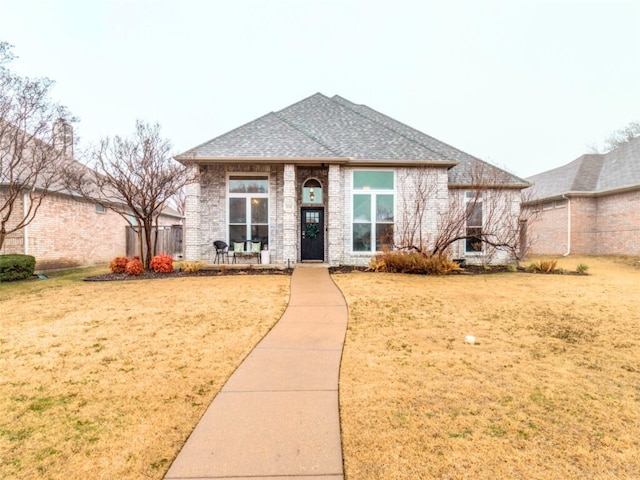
[525, 85]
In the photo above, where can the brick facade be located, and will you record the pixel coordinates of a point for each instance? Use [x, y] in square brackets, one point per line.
[599, 225]
[206, 219]
[69, 232]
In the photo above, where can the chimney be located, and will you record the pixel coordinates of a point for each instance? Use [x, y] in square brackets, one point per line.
[63, 137]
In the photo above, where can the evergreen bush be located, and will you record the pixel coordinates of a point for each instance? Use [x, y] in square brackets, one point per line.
[16, 267]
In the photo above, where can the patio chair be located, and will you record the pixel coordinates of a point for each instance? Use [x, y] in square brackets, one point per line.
[222, 251]
[254, 249]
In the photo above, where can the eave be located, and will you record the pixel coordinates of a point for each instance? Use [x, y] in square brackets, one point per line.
[187, 160]
[584, 194]
[485, 186]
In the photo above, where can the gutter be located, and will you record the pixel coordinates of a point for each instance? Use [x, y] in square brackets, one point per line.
[25, 232]
[349, 161]
[568, 199]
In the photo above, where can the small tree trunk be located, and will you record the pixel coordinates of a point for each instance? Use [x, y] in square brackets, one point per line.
[149, 251]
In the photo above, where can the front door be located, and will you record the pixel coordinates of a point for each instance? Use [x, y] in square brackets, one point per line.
[312, 233]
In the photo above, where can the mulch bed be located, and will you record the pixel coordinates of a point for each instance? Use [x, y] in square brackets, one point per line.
[148, 275]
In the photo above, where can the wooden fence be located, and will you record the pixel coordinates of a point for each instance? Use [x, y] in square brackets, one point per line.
[169, 241]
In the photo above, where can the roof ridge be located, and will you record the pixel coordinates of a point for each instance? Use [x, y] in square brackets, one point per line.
[280, 117]
[388, 128]
[587, 175]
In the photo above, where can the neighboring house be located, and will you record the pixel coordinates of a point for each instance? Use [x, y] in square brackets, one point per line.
[331, 181]
[69, 230]
[588, 206]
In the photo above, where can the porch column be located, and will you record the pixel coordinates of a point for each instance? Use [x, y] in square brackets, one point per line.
[289, 231]
[335, 217]
[192, 240]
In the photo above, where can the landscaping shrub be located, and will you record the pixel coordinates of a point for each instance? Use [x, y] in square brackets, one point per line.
[192, 267]
[543, 266]
[118, 264]
[412, 262]
[582, 268]
[16, 267]
[134, 267]
[161, 264]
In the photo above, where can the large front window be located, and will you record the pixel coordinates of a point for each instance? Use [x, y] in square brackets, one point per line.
[249, 208]
[373, 210]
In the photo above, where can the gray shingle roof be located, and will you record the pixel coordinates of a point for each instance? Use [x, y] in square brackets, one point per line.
[323, 127]
[591, 174]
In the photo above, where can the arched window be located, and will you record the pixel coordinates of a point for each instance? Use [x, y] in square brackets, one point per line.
[312, 191]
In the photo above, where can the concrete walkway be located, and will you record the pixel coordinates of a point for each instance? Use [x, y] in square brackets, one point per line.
[277, 415]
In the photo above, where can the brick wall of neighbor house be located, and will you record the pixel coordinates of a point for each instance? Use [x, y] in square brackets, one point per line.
[583, 225]
[618, 224]
[68, 232]
[14, 242]
[547, 229]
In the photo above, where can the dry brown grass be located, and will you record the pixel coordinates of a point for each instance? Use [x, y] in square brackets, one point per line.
[551, 389]
[107, 380]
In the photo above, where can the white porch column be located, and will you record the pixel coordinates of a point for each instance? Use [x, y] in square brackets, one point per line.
[335, 216]
[192, 238]
[290, 232]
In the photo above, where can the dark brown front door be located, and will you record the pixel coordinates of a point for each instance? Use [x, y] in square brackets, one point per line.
[312, 233]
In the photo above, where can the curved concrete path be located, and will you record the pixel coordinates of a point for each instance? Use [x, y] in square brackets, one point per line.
[277, 415]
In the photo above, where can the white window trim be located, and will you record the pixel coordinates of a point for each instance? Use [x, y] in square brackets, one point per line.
[355, 191]
[480, 200]
[228, 195]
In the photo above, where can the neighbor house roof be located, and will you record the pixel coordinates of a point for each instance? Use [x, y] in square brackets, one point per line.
[335, 130]
[591, 174]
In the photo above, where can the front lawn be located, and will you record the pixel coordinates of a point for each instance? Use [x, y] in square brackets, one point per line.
[550, 389]
[107, 380]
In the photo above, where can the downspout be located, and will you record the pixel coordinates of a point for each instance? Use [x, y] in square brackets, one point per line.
[568, 199]
[25, 233]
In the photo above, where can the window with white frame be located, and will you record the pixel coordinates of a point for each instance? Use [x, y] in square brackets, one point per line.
[373, 210]
[473, 241]
[248, 208]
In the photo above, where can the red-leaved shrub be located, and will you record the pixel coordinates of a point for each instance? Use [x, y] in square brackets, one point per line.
[162, 264]
[134, 267]
[118, 264]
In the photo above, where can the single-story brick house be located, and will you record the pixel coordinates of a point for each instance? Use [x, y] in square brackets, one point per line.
[331, 181]
[69, 230]
[588, 206]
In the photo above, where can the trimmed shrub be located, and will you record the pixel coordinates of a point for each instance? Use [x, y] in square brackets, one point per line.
[118, 264]
[16, 267]
[134, 267]
[412, 262]
[161, 264]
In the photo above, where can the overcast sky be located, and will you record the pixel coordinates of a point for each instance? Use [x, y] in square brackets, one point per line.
[526, 85]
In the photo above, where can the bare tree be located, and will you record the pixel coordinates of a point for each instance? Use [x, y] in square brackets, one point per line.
[622, 136]
[32, 146]
[135, 177]
[179, 201]
[483, 212]
[417, 187]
